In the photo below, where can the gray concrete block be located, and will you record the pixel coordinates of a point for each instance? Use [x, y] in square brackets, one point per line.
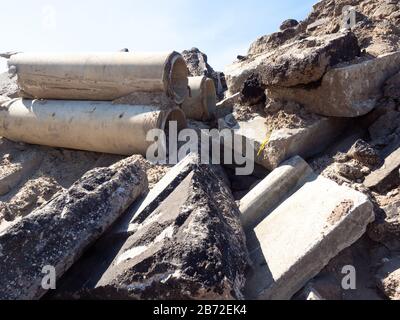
[298, 238]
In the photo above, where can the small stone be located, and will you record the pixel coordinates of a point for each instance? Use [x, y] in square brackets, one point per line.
[289, 23]
[364, 153]
[349, 171]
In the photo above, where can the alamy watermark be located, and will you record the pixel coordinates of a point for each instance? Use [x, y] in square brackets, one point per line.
[349, 281]
[49, 17]
[212, 145]
[49, 278]
[349, 17]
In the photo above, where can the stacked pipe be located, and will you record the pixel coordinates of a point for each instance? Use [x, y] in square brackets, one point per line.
[202, 100]
[81, 114]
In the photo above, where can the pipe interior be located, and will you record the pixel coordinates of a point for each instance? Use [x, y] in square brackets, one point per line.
[179, 80]
[211, 97]
[178, 116]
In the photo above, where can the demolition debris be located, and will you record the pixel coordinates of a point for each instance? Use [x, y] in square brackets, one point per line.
[315, 109]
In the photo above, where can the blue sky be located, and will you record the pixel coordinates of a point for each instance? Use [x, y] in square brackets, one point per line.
[221, 28]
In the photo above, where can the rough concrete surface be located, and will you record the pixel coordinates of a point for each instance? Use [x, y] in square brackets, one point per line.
[348, 91]
[59, 232]
[302, 235]
[298, 63]
[284, 143]
[191, 246]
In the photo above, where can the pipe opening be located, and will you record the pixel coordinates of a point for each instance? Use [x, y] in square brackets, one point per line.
[210, 98]
[178, 79]
[175, 115]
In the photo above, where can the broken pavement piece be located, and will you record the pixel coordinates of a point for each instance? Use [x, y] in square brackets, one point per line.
[298, 238]
[84, 274]
[59, 232]
[300, 62]
[386, 177]
[272, 148]
[344, 91]
[142, 209]
[190, 247]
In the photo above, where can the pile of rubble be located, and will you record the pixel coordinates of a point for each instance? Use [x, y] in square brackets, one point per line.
[318, 218]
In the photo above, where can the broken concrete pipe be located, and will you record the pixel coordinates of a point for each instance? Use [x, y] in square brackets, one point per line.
[97, 126]
[271, 191]
[202, 100]
[100, 76]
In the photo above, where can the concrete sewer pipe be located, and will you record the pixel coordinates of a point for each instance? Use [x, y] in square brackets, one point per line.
[278, 185]
[97, 126]
[202, 101]
[99, 76]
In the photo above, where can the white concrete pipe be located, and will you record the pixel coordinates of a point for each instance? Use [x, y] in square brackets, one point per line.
[202, 100]
[85, 125]
[278, 185]
[99, 76]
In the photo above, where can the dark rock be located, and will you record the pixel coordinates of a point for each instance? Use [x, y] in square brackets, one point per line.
[253, 92]
[58, 233]
[240, 183]
[185, 236]
[364, 153]
[191, 247]
[84, 275]
[349, 171]
[376, 25]
[289, 23]
[318, 54]
[239, 195]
